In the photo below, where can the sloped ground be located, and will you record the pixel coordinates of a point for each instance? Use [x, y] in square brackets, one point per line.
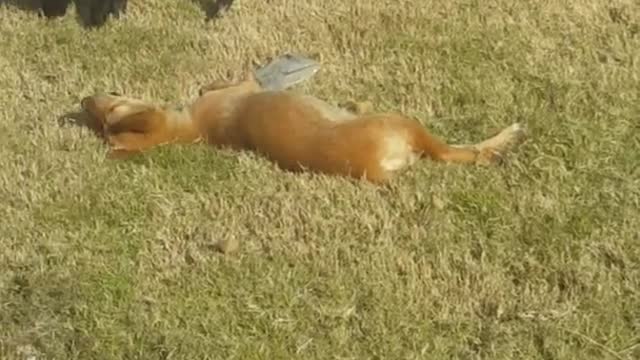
[537, 259]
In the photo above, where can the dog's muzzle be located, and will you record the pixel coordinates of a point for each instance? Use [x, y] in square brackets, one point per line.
[85, 102]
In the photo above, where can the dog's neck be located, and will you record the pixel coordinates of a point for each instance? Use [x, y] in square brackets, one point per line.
[181, 125]
[209, 115]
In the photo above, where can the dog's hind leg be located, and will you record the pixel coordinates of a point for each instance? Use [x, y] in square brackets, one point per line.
[486, 152]
[496, 147]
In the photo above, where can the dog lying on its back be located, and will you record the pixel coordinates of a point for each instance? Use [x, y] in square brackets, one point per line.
[297, 132]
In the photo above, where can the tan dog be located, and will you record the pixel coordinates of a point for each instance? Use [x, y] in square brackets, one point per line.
[297, 132]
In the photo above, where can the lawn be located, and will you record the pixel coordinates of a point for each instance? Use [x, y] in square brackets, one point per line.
[538, 258]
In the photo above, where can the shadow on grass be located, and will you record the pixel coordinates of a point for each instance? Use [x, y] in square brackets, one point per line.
[82, 119]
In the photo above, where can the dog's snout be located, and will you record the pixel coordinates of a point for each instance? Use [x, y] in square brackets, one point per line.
[85, 102]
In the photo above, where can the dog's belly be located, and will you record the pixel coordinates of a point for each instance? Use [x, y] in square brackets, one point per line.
[297, 133]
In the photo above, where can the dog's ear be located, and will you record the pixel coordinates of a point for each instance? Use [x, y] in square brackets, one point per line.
[127, 110]
[140, 121]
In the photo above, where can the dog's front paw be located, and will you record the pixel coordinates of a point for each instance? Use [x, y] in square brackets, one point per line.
[213, 86]
[357, 107]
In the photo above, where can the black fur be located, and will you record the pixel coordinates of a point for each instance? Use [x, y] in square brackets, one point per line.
[213, 9]
[54, 8]
[94, 13]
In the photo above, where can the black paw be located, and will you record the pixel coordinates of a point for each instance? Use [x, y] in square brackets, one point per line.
[218, 7]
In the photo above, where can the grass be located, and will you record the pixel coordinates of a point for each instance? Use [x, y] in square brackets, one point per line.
[537, 259]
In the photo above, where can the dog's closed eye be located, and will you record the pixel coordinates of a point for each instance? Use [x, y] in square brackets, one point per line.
[115, 93]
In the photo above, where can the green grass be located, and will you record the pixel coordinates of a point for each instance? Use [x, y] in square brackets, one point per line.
[536, 259]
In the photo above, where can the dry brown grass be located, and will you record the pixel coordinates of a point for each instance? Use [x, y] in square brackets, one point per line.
[538, 259]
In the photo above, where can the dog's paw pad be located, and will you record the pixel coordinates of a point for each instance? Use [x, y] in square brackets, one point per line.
[495, 150]
[506, 140]
[515, 133]
[357, 107]
[489, 156]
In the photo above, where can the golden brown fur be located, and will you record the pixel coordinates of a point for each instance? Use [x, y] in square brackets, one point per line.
[297, 132]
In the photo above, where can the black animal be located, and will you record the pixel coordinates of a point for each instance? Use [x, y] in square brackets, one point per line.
[94, 13]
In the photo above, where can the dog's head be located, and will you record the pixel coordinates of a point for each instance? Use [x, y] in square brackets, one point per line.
[129, 124]
[110, 109]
